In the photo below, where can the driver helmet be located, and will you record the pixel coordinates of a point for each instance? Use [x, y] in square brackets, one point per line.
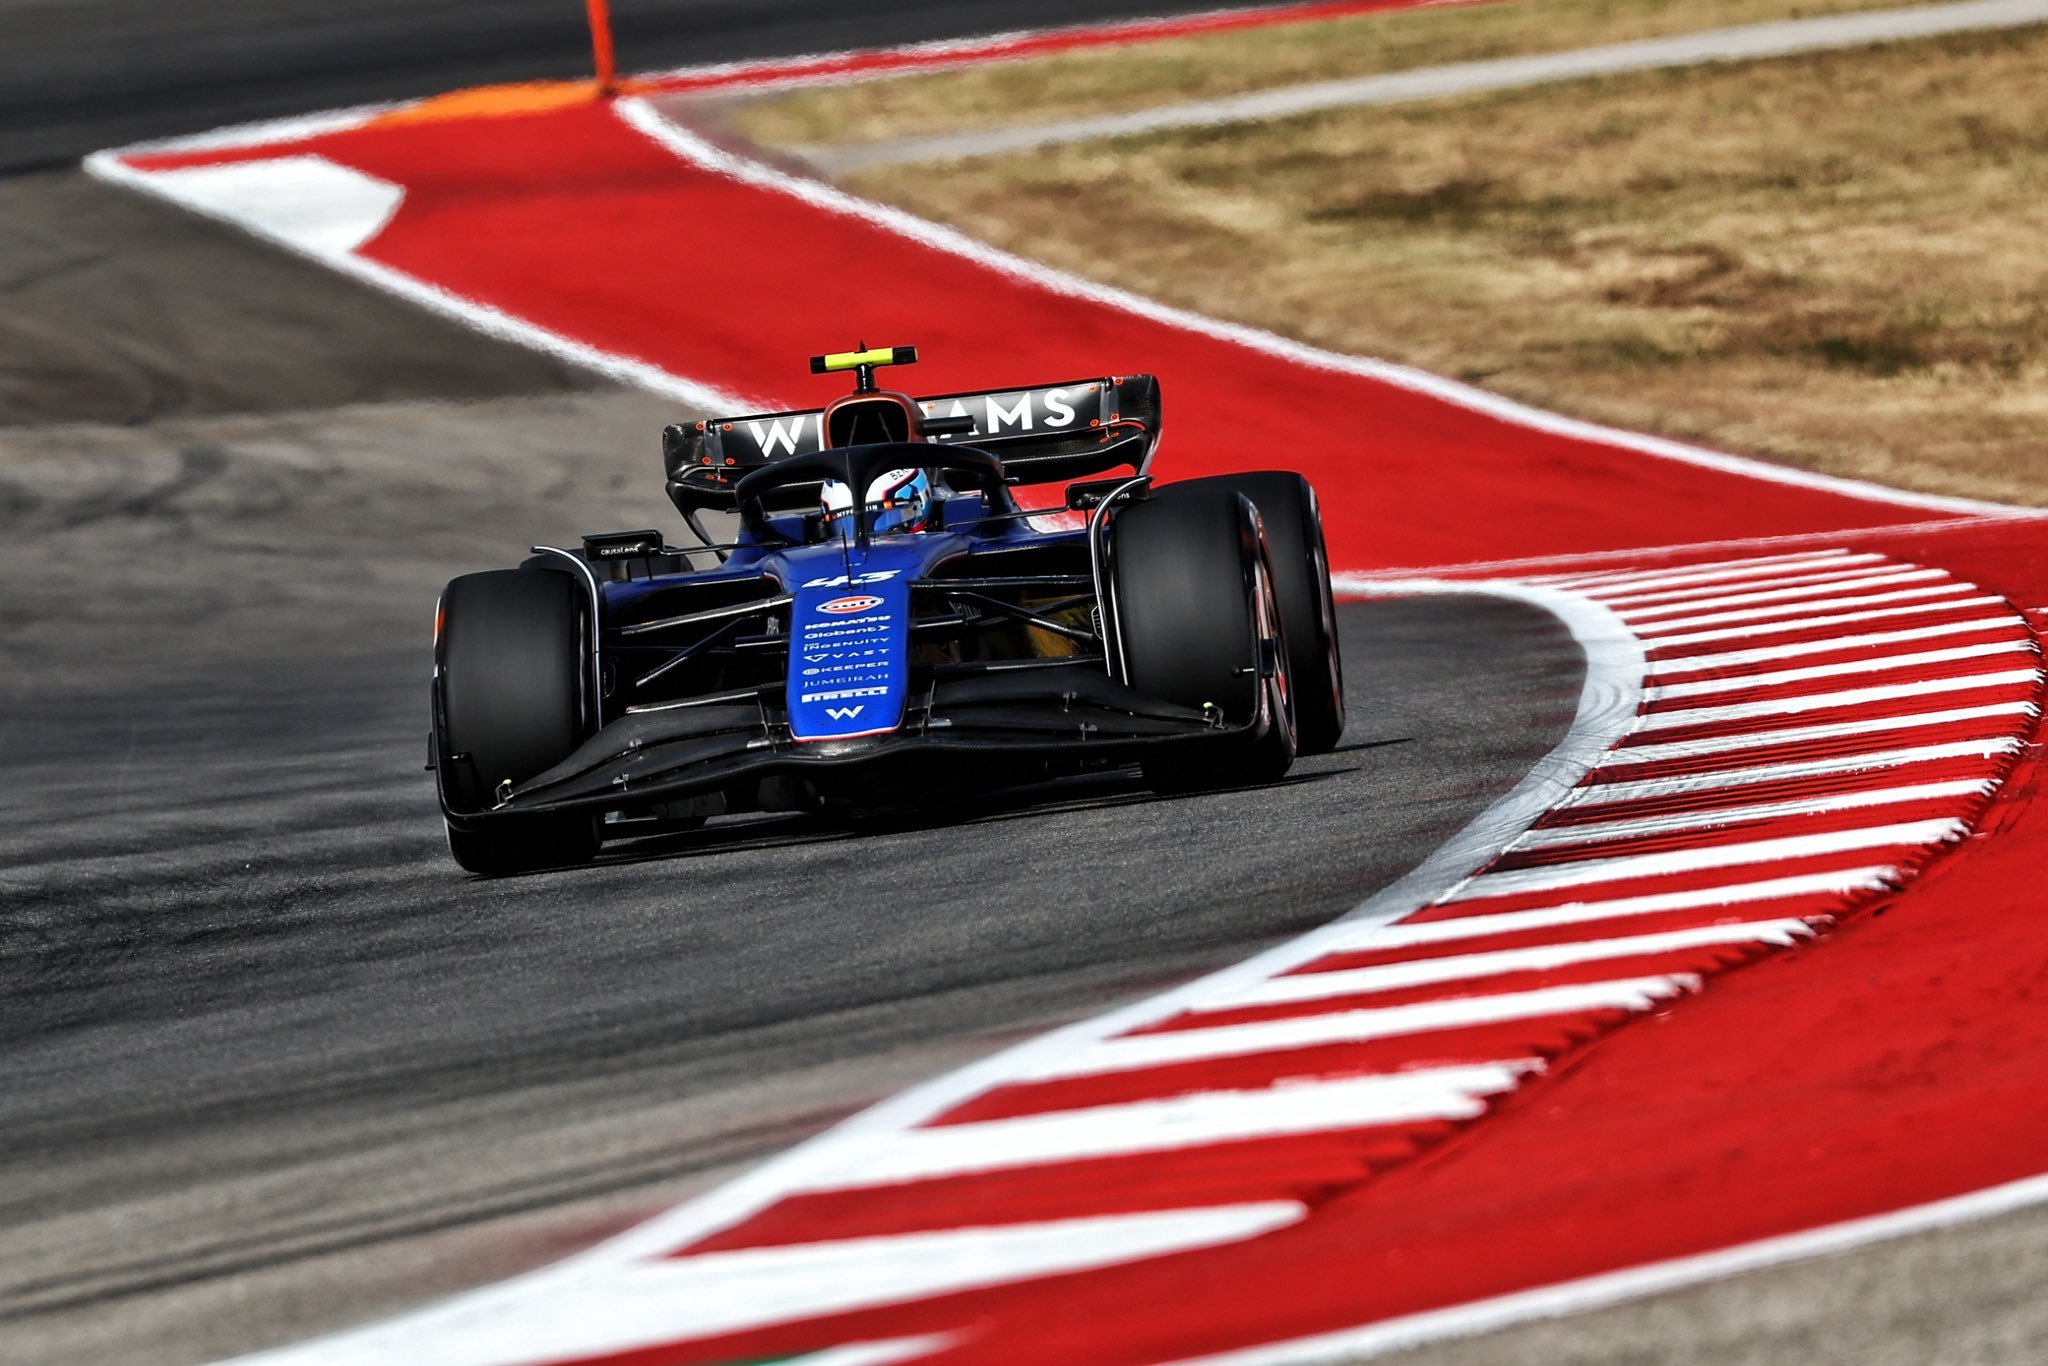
[899, 500]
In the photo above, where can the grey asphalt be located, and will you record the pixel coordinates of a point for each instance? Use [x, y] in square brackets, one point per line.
[269, 1064]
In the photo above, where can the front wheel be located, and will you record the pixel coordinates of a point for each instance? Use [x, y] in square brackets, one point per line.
[1198, 624]
[511, 678]
[1301, 584]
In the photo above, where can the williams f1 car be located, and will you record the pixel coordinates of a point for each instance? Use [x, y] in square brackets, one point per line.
[886, 627]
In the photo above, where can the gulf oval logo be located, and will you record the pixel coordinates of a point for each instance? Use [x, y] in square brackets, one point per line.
[858, 602]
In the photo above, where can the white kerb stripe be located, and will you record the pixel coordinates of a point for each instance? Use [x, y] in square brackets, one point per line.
[1736, 659]
[1637, 580]
[1595, 832]
[1835, 583]
[1860, 574]
[1707, 687]
[658, 1301]
[1843, 883]
[1763, 739]
[1356, 1026]
[1815, 623]
[1643, 789]
[1186, 1121]
[1664, 719]
[1550, 877]
[1776, 611]
[1316, 986]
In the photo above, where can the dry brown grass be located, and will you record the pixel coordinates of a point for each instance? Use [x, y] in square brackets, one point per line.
[1109, 80]
[1839, 260]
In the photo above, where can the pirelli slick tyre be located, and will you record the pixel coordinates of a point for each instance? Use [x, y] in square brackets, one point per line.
[511, 671]
[1198, 624]
[1301, 583]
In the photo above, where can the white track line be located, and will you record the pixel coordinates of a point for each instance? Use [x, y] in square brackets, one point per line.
[1600, 832]
[1707, 687]
[1623, 793]
[1826, 701]
[1712, 571]
[1764, 739]
[1625, 602]
[1316, 986]
[1737, 659]
[1850, 601]
[1816, 623]
[1183, 1121]
[1843, 883]
[1133, 1051]
[1639, 612]
[1555, 877]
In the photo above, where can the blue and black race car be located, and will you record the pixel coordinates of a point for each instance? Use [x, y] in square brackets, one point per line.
[885, 626]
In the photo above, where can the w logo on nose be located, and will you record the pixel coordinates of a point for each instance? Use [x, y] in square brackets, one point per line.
[845, 713]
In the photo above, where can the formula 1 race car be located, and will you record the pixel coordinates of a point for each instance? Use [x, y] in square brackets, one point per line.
[886, 627]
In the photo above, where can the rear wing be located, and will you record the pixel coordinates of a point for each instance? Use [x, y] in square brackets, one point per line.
[1049, 434]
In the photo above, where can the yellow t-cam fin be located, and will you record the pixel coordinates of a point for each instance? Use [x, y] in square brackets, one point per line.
[853, 360]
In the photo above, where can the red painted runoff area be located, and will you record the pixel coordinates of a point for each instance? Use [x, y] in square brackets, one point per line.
[573, 220]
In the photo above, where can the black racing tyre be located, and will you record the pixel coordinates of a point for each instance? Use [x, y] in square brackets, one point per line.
[1301, 583]
[1193, 601]
[511, 678]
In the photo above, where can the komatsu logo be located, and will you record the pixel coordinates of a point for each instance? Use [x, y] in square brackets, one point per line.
[858, 602]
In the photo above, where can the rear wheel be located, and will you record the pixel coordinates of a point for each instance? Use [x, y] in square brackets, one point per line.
[1301, 584]
[1198, 624]
[511, 676]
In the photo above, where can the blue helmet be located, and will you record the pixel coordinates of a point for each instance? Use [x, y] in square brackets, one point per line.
[899, 500]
